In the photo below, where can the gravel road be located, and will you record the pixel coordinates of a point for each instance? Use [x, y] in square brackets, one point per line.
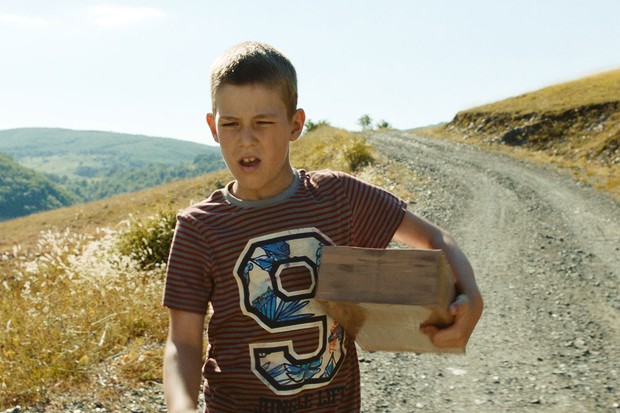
[546, 251]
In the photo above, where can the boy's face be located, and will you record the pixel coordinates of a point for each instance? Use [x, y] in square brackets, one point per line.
[253, 129]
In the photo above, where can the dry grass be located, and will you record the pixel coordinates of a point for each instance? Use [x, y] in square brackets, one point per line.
[338, 149]
[592, 90]
[74, 304]
[332, 148]
[78, 316]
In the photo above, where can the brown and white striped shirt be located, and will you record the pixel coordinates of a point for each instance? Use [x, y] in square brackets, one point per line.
[272, 348]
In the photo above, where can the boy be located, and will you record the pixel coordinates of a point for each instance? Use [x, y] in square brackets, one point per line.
[250, 254]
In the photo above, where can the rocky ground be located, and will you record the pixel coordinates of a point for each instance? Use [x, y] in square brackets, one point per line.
[546, 251]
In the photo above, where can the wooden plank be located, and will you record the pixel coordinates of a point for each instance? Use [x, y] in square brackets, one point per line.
[382, 296]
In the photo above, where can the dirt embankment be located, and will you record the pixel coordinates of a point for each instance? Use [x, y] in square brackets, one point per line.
[589, 132]
[576, 122]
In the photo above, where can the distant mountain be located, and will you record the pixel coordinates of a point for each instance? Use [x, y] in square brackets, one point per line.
[95, 165]
[74, 153]
[24, 191]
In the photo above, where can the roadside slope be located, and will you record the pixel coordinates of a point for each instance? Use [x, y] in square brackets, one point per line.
[574, 124]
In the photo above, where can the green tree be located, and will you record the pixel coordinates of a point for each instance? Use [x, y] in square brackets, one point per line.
[383, 124]
[24, 191]
[365, 122]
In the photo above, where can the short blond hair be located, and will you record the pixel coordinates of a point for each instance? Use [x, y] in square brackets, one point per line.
[254, 62]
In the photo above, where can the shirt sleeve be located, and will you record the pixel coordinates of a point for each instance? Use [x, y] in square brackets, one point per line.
[375, 212]
[189, 281]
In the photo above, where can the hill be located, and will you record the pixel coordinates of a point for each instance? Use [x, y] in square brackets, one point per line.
[74, 153]
[86, 218]
[24, 191]
[574, 124]
[69, 267]
[326, 147]
[95, 165]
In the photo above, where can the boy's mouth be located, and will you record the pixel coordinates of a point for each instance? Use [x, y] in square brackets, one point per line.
[249, 162]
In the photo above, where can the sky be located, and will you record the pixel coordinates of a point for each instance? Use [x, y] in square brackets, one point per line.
[142, 67]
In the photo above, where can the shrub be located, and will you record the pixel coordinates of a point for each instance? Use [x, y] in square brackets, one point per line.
[357, 153]
[332, 148]
[148, 241]
[383, 124]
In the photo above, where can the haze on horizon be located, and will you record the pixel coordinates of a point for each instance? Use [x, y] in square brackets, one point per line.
[142, 67]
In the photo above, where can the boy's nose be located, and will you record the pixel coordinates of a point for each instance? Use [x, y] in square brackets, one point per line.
[247, 136]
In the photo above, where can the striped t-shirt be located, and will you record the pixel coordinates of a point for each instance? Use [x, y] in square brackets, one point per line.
[272, 347]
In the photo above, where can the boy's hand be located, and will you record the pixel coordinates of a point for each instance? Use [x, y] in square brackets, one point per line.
[466, 313]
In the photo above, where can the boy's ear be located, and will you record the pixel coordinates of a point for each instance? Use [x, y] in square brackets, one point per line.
[211, 123]
[298, 121]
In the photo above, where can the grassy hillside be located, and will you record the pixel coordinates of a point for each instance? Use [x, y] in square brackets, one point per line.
[62, 151]
[575, 125]
[326, 147]
[95, 165]
[66, 268]
[593, 90]
[108, 213]
[24, 191]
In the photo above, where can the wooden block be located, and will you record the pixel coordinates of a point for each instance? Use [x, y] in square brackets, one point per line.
[382, 296]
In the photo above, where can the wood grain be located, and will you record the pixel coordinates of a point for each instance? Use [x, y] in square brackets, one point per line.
[382, 296]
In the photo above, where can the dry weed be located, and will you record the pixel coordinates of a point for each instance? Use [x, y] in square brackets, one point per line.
[74, 305]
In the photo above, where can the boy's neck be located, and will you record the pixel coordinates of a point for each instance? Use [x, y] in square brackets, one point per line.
[233, 195]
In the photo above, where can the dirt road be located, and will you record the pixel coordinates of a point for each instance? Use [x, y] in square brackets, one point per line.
[546, 251]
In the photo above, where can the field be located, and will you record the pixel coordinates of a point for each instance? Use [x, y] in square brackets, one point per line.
[81, 311]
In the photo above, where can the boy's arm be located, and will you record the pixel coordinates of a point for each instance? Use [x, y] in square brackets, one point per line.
[467, 307]
[183, 361]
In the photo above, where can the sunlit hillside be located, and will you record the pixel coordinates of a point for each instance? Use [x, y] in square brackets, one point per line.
[592, 90]
[81, 286]
[24, 191]
[92, 165]
[575, 125]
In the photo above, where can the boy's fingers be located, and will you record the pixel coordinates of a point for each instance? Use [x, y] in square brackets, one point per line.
[429, 330]
[456, 334]
[442, 337]
[459, 305]
[448, 337]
